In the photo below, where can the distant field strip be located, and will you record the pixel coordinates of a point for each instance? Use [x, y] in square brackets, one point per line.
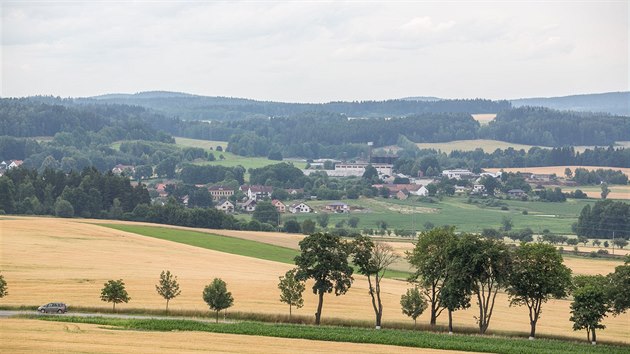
[404, 338]
[470, 145]
[214, 242]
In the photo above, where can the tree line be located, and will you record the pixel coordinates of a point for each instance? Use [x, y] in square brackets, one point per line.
[604, 219]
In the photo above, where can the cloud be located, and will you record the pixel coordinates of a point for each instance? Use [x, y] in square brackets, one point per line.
[311, 51]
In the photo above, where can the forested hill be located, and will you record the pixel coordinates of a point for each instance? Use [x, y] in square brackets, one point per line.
[193, 107]
[548, 127]
[617, 103]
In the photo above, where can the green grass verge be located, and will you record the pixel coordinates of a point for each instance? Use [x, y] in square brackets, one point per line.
[404, 338]
[214, 242]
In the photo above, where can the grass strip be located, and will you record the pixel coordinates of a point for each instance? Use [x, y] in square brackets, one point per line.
[404, 338]
[214, 242]
[227, 244]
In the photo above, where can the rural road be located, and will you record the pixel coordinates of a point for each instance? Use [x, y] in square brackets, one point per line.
[9, 313]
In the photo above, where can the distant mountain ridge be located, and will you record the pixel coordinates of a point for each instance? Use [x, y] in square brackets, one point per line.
[617, 103]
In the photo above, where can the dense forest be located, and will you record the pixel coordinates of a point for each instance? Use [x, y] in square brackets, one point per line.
[547, 127]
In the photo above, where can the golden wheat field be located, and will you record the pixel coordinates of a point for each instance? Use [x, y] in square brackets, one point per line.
[32, 336]
[48, 259]
[558, 170]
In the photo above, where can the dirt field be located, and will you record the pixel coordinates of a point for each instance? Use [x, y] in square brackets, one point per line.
[47, 259]
[32, 336]
[484, 118]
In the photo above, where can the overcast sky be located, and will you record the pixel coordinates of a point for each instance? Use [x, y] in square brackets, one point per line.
[315, 51]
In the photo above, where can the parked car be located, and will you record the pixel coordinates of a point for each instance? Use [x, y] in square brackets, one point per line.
[53, 307]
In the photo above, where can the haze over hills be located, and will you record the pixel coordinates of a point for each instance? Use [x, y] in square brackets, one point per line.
[195, 107]
[610, 102]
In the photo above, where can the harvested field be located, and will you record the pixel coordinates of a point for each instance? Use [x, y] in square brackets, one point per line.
[47, 259]
[616, 191]
[484, 118]
[558, 170]
[486, 145]
[33, 336]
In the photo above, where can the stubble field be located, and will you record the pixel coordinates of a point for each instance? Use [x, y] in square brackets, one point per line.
[46, 259]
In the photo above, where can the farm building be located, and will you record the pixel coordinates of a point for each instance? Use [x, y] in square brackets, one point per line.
[338, 207]
[220, 192]
[300, 208]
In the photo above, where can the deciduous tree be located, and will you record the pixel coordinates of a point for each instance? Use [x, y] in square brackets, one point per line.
[217, 297]
[291, 290]
[373, 259]
[537, 275]
[114, 291]
[590, 304]
[324, 258]
[168, 288]
[430, 257]
[413, 304]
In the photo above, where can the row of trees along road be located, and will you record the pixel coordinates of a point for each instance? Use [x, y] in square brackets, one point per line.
[451, 270]
[214, 294]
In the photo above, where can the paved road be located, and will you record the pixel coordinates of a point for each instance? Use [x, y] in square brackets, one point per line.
[9, 313]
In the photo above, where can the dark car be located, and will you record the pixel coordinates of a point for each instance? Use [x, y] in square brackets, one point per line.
[53, 307]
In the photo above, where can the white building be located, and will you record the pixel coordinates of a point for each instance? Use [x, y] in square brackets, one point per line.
[300, 208]
[225, 205]
[457, 174]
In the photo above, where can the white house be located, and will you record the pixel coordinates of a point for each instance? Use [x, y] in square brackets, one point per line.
[225, 206]
[257, 192]
[300, 208]
[14, 164]
[422, 191]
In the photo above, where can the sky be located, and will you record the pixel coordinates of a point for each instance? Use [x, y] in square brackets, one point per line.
[315, 51]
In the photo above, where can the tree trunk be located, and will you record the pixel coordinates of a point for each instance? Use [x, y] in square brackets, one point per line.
[167, 306]
[594, 341]
[532, 333]
[433, 316]
[217, 318]
[414, 323]
[450, 322]
[320, 304]
[290, 312]
[114, 309]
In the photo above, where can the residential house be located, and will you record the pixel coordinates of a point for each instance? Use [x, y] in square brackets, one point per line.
[300, 208]
[249, 205]
[220, 192]
[161, 189]
[338, 207]
[15, 164]
[126, 169]
[403, 194]
[280, 206]
[414, 189]
[295, 191]
[225, 205]
[479, 189]
[516, 193]
[257, 192]
[421, 192]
